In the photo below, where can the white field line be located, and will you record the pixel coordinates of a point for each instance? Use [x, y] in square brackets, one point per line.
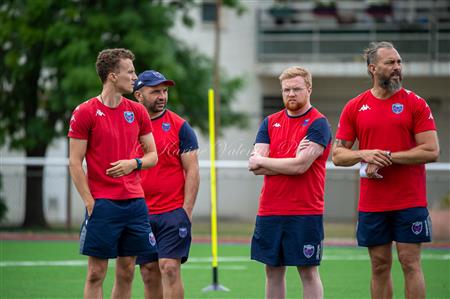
[199, 260]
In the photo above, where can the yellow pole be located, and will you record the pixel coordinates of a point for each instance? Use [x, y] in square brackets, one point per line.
[212, 158]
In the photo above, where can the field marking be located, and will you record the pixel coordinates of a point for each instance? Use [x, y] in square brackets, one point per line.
[326, 257]
[222, 267]
[79, 263]
[199, 260]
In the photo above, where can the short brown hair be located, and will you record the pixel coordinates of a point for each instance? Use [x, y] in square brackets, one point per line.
[295, 71]
[108, 61]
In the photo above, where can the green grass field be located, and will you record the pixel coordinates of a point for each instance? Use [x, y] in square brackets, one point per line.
[54, 269]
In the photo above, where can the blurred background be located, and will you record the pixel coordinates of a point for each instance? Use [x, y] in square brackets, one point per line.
[47, 60]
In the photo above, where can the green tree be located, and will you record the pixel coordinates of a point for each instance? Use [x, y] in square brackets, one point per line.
[48, 50]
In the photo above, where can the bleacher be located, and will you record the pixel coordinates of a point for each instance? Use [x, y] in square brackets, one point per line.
[338, 30]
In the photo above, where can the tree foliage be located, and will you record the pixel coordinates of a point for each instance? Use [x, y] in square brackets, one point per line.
[48, 50]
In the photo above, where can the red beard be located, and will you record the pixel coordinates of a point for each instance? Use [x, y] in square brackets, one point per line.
[293, 106]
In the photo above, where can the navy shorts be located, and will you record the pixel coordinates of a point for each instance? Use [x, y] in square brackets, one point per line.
[411, 225]
[288, 240]
[173, 235]
[117, 228]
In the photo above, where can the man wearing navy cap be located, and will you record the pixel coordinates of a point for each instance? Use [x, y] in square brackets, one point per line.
[170, 189]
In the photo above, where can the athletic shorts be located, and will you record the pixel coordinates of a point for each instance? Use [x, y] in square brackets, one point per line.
[288, 240]
[173, 235]
[411, 225]
[117, 228]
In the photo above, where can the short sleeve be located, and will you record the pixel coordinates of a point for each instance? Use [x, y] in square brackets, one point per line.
[263, 133]
[346, 126]
[80, 123]
[188, 139]
[319, 132]
[423, 117]
[145, 122]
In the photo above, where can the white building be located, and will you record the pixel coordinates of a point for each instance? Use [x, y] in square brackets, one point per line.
[328, 40]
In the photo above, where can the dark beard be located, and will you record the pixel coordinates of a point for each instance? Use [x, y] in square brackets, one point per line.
[154, 108]
[388, 83]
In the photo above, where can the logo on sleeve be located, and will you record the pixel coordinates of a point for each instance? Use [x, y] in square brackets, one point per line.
[397, 108]
[165, 127]
[129, 116]
[308, 250]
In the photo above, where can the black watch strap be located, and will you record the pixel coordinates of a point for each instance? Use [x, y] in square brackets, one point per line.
[139, 163]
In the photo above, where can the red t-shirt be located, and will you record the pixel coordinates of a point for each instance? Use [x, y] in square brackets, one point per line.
[164, 184]
[389, 124]
[301, 194]
[112, 135]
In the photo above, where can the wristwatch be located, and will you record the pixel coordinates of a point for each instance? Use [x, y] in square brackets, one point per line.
[139, 163]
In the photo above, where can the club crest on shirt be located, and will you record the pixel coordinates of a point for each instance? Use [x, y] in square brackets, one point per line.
[151, 239]
[308, 250]
[182, 232]
[165, 127]
[305, 122]
[417, 227]
[129, 116]
[397, 108]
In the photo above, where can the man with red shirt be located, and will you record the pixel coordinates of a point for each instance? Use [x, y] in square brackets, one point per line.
[397, 136]
[106, 130]
[170, 189]
[291, 150]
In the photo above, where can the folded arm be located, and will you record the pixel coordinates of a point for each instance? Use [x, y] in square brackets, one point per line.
[307, 153]
[259, 149]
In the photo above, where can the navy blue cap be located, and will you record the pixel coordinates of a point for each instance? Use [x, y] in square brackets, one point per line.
[151, 78]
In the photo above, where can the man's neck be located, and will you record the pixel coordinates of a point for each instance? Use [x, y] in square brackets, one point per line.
[110, 97]
[300, 111]
[156, 114]
[382, 93]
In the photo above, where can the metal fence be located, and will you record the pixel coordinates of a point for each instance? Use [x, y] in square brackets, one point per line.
[238, 191]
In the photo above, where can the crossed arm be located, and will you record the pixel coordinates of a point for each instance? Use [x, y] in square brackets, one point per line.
[426, 151]
[261, 164]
